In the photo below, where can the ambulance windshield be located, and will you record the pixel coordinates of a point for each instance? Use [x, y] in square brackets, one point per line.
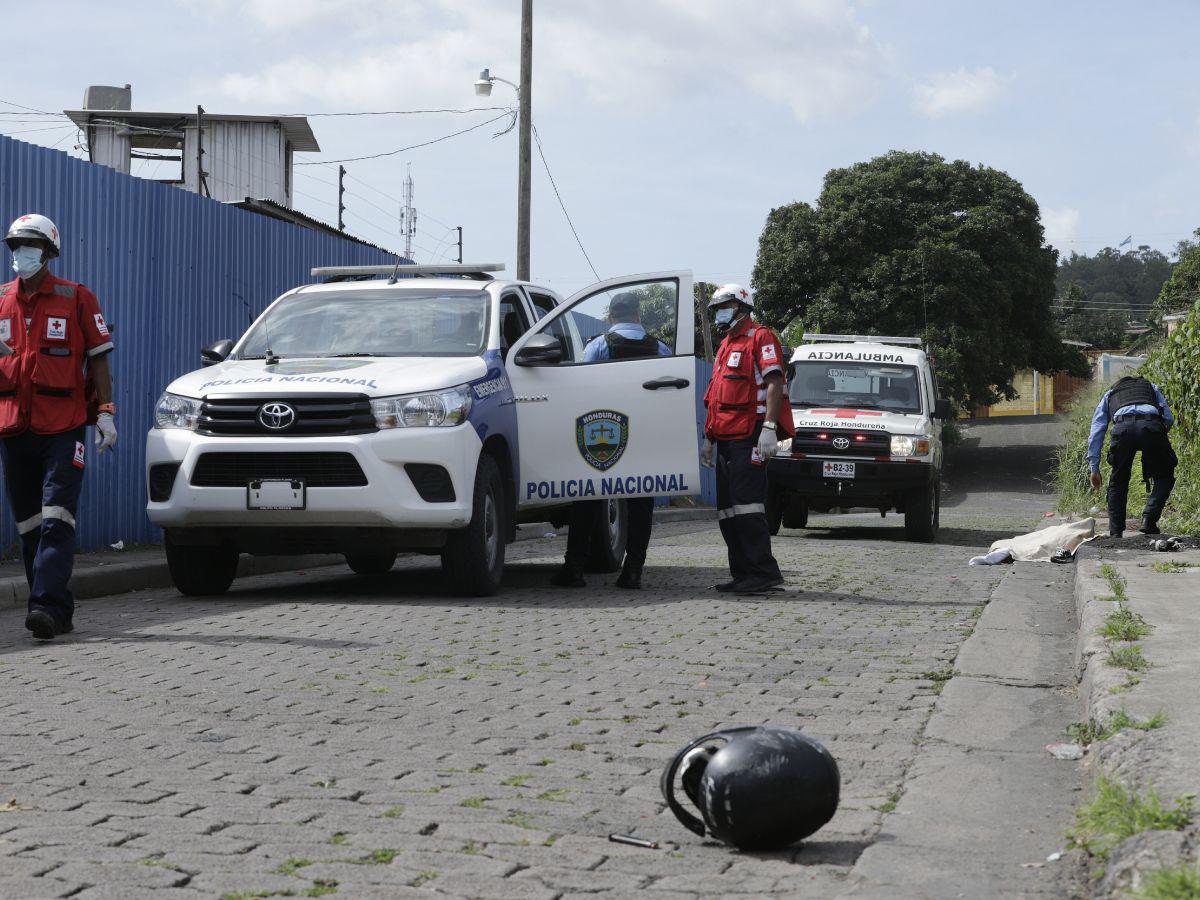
[855, 386]
[372, 323]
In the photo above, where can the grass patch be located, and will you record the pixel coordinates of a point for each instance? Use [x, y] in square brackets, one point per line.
[292, 866]
[1122, 624]
[1117, 812]
[939, 677]
[556, 795]
[474, 802]
[889, 805]
[1116, 582]
[339, 839]
[1129, 658]
[516, 780]
[423, 878]
[1091, 731]
[393, 812]
[1171, 568]
[1182, 883]
[520, 819]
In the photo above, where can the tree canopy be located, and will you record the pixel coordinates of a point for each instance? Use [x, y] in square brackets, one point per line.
[1182, 290]
[910, 244]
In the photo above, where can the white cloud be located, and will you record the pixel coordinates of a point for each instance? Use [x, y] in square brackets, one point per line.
[955, 93]
[811, 58]
[1061, 225]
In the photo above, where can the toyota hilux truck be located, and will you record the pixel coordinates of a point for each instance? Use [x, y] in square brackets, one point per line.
[868, 433]
[369, 415]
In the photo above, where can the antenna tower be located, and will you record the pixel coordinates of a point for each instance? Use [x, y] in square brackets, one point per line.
[408, 215]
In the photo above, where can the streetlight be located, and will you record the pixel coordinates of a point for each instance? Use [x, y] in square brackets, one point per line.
[483, 88]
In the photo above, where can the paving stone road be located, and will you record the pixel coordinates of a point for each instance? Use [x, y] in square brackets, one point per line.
[317, 733]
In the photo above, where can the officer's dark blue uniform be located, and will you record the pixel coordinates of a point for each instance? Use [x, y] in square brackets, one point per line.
[1140, 418]
[51, 331]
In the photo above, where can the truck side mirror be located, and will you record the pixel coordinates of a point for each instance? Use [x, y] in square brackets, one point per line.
[540, 350]
[942, 409]
[216, 352]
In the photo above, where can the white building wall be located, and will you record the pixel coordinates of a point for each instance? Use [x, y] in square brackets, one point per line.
[241, 159]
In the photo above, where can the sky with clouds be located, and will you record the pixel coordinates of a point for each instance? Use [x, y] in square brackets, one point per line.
[671, 127]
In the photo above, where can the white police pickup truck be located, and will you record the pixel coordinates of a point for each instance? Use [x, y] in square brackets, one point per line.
[428, 414]
[868, 433]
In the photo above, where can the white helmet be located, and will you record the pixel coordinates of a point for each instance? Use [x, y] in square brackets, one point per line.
[36, 227]
[727, 292]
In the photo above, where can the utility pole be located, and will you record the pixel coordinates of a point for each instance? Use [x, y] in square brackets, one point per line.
[525, 101]
[201, 175]
[703, 295]
[408, 215]
[341, 194]
[460, 243]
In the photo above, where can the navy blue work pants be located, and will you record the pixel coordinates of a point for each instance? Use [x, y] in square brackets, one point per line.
[587, 520]
[44, 475]
[1149, 436]
[742, 510]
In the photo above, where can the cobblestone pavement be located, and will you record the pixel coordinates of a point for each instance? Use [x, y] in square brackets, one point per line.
[317, 733]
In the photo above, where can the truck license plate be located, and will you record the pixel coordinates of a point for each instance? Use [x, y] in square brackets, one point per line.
[275, 494]
[837, 470]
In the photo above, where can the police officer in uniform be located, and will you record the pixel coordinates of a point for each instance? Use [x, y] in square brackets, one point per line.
[1140, 420]
[625, 339]
[746, 411]
[53, 353]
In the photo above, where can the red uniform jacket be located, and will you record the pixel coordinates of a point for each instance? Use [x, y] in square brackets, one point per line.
[736, 397]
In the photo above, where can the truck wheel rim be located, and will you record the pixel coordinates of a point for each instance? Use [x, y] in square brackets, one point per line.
[612, 520]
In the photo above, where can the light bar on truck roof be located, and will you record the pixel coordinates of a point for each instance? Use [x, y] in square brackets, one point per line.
[863, 339]
[476, 270]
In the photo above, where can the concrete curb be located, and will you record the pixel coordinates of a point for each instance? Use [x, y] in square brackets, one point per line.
[1096, 679]
[122, 577]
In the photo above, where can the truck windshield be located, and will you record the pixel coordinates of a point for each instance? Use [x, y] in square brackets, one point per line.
[372, 323]
[857, 386]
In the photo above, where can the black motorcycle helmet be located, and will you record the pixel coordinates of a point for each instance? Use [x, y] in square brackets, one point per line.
[758, 787]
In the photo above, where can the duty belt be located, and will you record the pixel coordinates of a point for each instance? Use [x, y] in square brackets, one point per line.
[1134, 417]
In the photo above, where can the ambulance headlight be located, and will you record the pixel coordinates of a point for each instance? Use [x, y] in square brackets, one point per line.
[904, 445]
[784, 447]
[435, 409]
[174, 411]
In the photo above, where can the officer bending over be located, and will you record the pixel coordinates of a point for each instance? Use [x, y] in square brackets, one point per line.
[745, 407]
[1140, 420]
[53, 348]
[625, 339]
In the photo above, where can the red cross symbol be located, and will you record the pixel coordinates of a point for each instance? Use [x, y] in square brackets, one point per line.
[745, 293]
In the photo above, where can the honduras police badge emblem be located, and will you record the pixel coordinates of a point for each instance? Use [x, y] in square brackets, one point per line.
[602, 436]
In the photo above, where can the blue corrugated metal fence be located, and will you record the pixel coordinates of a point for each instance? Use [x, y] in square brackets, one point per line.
[173, 271]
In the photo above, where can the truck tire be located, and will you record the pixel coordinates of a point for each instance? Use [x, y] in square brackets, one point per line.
[201, 571]
[922, 513]
[607, 552]
[777, 502]
[473, 558]
[795, 514]
[371, 563]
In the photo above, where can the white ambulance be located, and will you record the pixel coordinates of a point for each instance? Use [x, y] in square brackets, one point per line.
[430, 413]
[868, 433]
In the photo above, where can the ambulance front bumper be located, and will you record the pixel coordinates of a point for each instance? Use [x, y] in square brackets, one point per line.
[378, 480]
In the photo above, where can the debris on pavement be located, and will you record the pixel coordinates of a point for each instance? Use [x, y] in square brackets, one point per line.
[119, 545]
[13, 806]
[1055, 856]
[1065, 751]
[550, 534]
[1166, 545]
[633, 841]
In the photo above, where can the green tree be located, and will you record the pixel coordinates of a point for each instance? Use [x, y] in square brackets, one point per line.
[1124, 282]
[909, 244]
[1079, 321]
[1182, 289]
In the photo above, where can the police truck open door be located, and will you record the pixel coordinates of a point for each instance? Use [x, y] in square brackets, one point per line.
[616, 428]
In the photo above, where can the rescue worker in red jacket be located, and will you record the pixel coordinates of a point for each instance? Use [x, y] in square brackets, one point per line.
[53, 342]
[746, 413]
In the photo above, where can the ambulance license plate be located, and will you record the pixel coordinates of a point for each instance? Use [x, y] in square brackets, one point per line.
[837, 470]
[275, 494]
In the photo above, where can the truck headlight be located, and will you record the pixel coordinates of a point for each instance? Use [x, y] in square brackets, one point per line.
[174, 411]
[904, 445]
[432, 410]
[784, 447]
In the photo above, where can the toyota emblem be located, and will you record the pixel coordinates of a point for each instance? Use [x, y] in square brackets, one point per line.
[276, 416]
[841, 443]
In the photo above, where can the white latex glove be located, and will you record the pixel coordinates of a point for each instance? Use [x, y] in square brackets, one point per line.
[767, 442]
[706, 454]
[106, 431]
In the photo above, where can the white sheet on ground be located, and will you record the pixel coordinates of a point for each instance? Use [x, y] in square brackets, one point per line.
[1039, 546]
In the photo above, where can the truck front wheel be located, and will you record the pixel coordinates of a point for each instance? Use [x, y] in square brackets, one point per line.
[473, 558]
[201, 570]
[922, 513]
[607, 552]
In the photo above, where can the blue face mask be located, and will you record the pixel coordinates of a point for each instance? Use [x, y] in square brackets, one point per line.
[27, 261]
[724, 317]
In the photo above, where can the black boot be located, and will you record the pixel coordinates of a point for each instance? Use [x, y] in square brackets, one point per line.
[568, 576]
[631, 577]
[1149, 524]
[1115, 528]
[41, 623]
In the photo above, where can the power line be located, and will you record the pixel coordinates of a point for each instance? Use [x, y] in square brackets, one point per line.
[397, 112]
[399, 150]
[550, 175]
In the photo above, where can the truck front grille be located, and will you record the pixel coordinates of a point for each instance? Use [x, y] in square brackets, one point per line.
[315, 414]
[314, 469]
[817, 442]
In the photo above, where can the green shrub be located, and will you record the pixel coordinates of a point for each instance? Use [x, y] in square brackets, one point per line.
[1181, 883]
[1122, 624]
[1129, 657]
[1117, 812]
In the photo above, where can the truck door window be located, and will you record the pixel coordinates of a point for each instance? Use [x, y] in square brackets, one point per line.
[514, 321]
[542, 303]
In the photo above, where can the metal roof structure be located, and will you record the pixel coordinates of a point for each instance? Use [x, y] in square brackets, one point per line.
[274, 210]
[295, 128]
